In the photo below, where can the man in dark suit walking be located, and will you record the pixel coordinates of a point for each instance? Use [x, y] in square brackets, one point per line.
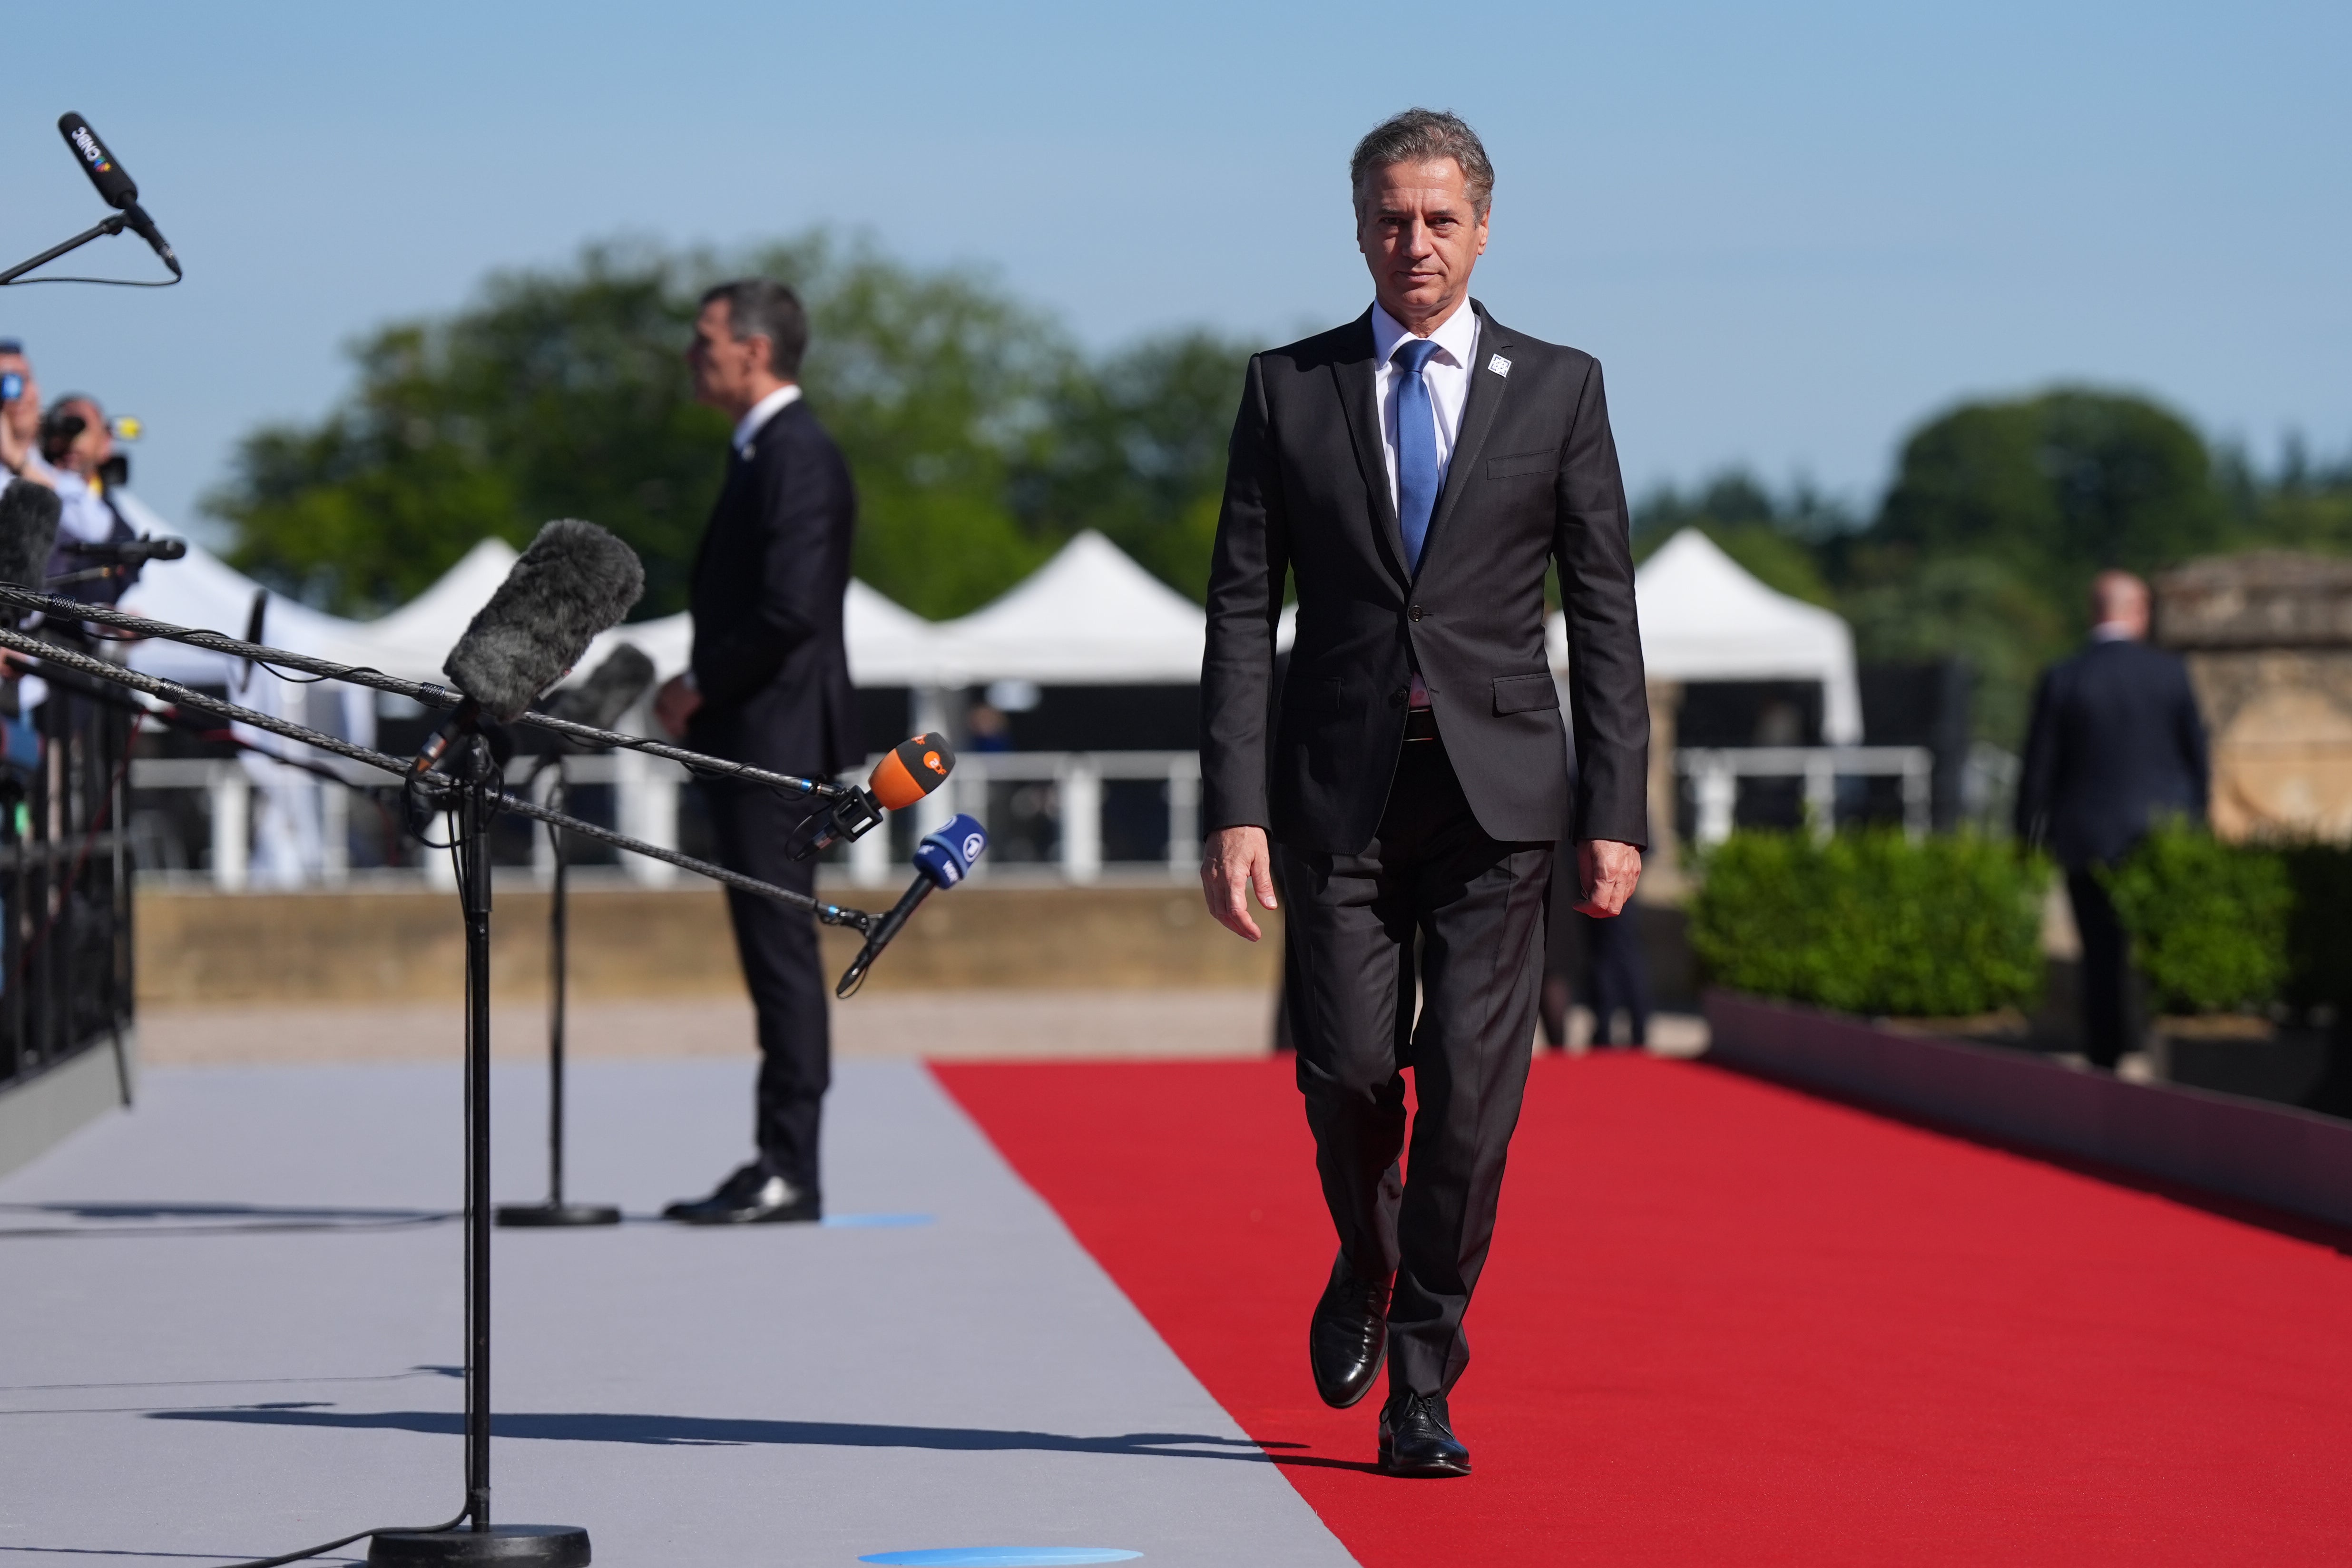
[768, 684]
[2116, 741]
[1415, 472]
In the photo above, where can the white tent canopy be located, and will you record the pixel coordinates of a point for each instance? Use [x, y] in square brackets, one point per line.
[888, 645]
[203, 591]
[1703, 617]
[1089, 616]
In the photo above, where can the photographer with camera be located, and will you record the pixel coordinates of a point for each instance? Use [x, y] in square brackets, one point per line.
[20, 416]
[78, 445]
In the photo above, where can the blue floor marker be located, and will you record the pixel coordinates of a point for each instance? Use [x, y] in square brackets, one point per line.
[885, 1221]
[1002, 1556]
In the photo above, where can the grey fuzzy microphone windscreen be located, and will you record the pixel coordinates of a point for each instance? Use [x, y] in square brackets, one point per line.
[28, 532]
[608, 691]
[575, 580]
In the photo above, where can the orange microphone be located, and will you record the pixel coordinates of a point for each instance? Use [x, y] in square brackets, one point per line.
[911, 770]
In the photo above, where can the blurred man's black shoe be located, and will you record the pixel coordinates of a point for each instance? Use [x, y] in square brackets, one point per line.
[1348, 1339]
[752, 1195]
[1417, 1439]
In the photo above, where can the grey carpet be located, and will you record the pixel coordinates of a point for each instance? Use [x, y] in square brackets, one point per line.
[229, 1320]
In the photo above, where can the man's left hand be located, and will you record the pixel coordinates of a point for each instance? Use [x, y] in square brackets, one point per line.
[1606, 871]
[673, 704]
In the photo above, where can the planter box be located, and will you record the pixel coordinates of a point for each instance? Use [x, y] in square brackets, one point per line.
[2275, 1155]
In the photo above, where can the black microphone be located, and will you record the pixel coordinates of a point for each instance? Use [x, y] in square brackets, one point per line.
[116, 188]
[132, 552]
[942, 859]
[572, 581]
[611, 690]
[28, 532]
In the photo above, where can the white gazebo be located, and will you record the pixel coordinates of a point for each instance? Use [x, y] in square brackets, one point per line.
[1090, 616]
[1705, 618]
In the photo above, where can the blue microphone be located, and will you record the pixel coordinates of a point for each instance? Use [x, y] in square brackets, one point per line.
[946, 857]
[942, 859]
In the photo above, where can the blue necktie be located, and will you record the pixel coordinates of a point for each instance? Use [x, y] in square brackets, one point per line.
[1416, 447]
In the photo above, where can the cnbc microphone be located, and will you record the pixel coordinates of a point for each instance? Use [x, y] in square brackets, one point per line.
[941, 861]
[115, 188]
[907, 772]
[573, 581]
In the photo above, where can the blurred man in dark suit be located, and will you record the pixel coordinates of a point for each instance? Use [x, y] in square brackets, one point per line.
[2116, 742]
[768, 684]
[1414, 473]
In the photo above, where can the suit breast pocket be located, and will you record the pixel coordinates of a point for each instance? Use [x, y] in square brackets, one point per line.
[1519, 465]
[1525, 693]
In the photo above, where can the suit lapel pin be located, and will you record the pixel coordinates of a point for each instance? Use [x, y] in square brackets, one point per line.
[1499, 365]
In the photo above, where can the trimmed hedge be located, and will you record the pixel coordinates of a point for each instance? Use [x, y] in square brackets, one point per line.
[2207, 919]
[1870, 922]
[2220, 927]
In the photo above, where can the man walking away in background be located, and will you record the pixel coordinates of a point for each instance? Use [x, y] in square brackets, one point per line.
[768, 684]
[1415, 472]
[2116, 742]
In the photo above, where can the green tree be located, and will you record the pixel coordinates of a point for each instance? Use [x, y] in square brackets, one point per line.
[2298, 505]
[563, 393]
[1138, 450]
[2000, 514]
[1777, 541]
[2057, 486]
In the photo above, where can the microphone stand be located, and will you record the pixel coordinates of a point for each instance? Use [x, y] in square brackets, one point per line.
[112, 223]
[470, 789]
[555, 1213]
[475, 784]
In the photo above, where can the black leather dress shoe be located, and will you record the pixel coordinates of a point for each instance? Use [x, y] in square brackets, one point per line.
[1348, 1339]
[1416, 1439]
[750, 1197]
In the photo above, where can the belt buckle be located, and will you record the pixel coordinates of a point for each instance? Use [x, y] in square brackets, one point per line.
[1420, 724]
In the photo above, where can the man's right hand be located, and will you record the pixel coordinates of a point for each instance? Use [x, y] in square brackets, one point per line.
[673, 704]
[1235, 862]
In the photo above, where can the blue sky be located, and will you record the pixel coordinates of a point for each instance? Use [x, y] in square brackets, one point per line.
[1790, 232]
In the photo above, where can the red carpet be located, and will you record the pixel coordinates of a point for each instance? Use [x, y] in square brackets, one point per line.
[1725, 1322]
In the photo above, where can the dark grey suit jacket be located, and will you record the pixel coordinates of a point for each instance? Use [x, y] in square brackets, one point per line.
[769, 581]
[1533, 479]
[2116, 740]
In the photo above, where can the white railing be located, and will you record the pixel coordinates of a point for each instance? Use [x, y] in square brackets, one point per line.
[1715, 772]
[1077, 778]
[646, 798]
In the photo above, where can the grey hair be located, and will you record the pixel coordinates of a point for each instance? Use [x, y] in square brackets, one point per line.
[1420, 136]
[758, 307]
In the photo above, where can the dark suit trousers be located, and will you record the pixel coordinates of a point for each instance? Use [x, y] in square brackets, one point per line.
[2107, 980]
[1615, 976]
[1476, 909]
[779, 951]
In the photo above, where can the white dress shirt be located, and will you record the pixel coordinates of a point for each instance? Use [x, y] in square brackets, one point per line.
[1448, 375]
[759, 412]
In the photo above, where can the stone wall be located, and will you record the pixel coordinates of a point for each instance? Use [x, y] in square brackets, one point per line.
[2268, 637]
[402, 945]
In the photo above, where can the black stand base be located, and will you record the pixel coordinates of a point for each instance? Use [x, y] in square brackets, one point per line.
[539, 1545]
[549, 1216]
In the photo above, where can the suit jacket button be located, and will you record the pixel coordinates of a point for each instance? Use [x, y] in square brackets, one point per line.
[1415, 612]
